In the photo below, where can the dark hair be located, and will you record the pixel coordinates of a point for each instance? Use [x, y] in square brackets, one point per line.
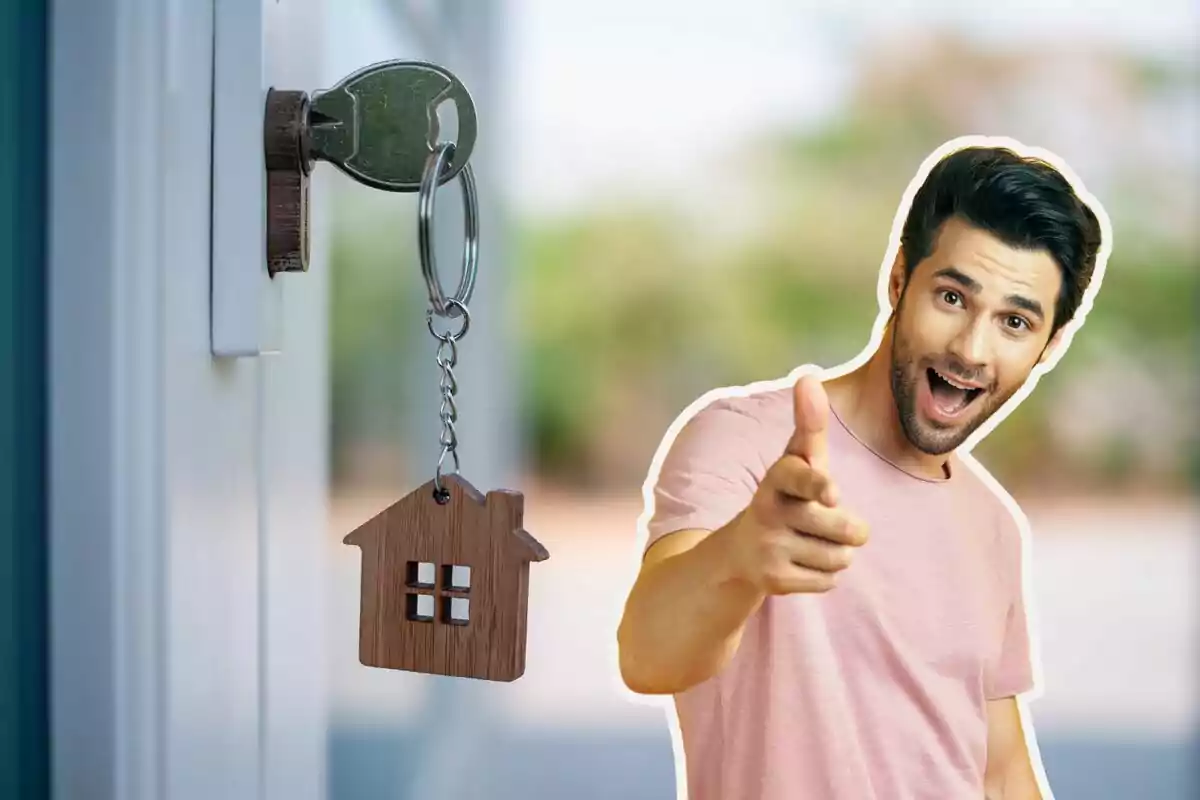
[1023, 201]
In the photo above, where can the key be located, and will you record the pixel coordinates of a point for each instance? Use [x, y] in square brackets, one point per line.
[380, 124]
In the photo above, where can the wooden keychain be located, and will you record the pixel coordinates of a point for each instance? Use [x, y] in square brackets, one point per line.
[445, 570]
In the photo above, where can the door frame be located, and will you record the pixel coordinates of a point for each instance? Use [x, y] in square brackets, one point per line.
[186, 517]
[110, 68]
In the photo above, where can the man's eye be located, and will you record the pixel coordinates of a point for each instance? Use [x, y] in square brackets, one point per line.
[949, 296]
[1017, 323]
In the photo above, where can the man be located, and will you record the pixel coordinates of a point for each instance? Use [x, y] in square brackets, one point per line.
[831, 593]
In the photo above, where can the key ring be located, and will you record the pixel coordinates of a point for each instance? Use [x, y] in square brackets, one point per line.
[448, 337]
[435, 165]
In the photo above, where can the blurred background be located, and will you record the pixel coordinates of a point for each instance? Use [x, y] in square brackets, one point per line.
[684, 195]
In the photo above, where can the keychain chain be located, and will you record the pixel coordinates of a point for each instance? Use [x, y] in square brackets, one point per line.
[437, 165]
[447, 359]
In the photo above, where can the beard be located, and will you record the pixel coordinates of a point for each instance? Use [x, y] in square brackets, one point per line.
[925, 435]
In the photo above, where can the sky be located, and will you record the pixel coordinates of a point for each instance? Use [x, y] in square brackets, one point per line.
[630, 96]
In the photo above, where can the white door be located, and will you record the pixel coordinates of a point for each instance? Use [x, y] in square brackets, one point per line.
[187, 492]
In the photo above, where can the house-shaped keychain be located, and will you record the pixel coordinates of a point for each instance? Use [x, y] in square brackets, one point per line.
[445, 586]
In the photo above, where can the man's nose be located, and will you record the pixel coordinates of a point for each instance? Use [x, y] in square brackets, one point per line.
[972, 347]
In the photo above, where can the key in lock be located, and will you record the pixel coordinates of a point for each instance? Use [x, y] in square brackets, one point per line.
[378, 125]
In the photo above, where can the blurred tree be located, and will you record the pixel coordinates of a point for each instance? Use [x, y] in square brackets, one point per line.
[373, 264]
[628, 314]
[634, 306]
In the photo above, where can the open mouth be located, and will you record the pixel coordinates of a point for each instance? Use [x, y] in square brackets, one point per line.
[950, 397]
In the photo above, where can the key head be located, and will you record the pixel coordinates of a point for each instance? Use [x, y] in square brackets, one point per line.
[380, 124]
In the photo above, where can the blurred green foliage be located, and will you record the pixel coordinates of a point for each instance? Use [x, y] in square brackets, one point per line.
[633, 302]
[640, 309]
[372, 281]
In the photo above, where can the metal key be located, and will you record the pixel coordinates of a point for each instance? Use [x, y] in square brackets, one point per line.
[380, 124]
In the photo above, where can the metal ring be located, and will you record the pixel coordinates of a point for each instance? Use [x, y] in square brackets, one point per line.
[448, 337]
[435, 165]
[440, 492]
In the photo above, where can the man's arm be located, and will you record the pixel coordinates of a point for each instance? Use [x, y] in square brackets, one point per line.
[696, 590]
[1009, 774]
[683, 611]
[684, 616]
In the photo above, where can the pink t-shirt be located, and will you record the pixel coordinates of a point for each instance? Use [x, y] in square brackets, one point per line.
[876, 690]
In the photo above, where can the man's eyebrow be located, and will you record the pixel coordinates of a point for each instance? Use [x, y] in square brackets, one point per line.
[1032, 306]
[959, 277]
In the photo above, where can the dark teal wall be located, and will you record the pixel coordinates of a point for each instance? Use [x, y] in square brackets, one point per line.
[24, 741]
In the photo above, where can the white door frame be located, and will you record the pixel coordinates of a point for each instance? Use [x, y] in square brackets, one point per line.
[187, 504]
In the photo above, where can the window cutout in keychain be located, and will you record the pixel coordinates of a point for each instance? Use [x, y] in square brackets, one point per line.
[456, 578]
[420, 575]
[420, 607]
[456, 610]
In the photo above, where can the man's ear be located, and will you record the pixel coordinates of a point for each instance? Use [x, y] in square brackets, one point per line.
[1052, 345]
[897, 278]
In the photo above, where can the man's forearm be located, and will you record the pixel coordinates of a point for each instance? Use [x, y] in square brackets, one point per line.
[1020, 786]
[1020, 782]
[1009, 774]
[683, 619]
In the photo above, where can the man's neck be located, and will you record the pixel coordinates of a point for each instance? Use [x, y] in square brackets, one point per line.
[863, 400]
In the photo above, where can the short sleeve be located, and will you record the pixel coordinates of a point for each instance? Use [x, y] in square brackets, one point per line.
[1011, 673]
[710, 471]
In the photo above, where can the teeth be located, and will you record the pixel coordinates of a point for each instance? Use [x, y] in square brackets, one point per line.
[953, 382]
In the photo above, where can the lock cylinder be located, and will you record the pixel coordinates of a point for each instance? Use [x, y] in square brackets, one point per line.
[287, 150]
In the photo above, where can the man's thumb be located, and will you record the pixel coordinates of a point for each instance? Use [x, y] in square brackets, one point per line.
[809, 440]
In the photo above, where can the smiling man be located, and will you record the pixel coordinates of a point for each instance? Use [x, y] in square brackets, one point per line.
[831, 586]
